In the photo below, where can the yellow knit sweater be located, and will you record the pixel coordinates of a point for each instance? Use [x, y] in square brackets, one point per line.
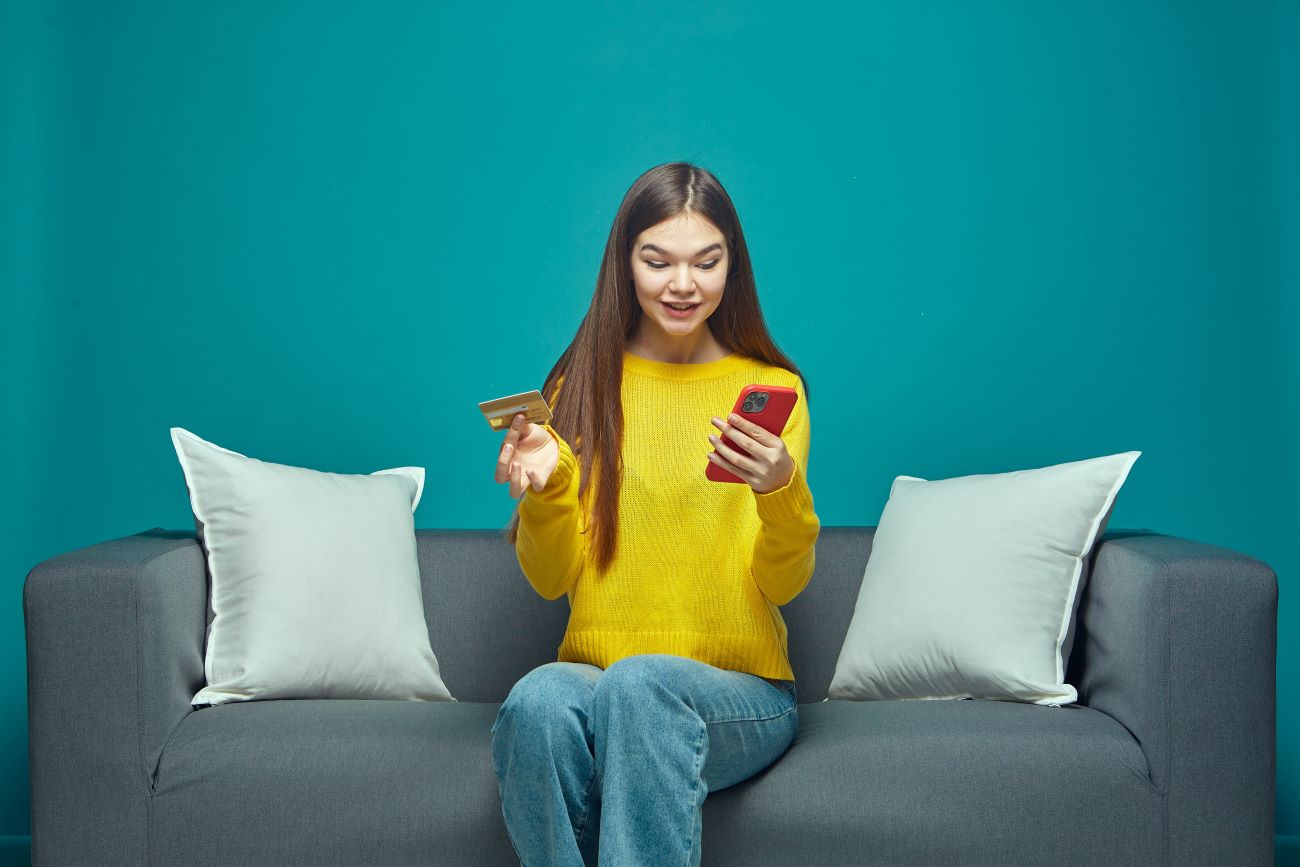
[701, 566]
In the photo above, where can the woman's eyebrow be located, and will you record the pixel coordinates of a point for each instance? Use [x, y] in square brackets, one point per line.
[661, 250]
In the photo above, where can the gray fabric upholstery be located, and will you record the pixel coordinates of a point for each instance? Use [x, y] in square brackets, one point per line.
[1167, 759]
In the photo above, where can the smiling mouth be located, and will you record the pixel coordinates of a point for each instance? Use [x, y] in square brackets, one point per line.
[680, 309]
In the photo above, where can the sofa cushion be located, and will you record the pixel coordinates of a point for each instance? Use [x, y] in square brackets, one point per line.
[970, 782]
[315, 588]
[864, 782]
[330, 781]
[973, 582]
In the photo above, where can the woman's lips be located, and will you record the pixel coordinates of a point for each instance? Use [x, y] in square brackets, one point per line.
[679, 314]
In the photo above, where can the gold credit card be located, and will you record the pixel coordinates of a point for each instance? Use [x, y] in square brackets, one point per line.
[500, 412]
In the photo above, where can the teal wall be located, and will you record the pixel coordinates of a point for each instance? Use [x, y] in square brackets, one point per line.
[994, 236]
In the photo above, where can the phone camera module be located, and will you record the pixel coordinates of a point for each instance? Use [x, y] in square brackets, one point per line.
[755, 401]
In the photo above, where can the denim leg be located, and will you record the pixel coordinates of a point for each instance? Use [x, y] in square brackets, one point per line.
[542, 752]
[667, 730]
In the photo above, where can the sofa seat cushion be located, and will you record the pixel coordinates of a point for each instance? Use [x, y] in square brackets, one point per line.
[888, 781]
[339, 781]
[968, 782]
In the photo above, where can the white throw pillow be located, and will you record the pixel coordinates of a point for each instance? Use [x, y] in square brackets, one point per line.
[315, 586]
[970, 590]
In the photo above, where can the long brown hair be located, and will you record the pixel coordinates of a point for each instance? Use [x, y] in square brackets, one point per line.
[588, 409]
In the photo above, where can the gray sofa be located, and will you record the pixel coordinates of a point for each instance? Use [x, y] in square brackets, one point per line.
[1167, 759]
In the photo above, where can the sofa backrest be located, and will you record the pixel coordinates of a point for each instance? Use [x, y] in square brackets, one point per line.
[488, 627]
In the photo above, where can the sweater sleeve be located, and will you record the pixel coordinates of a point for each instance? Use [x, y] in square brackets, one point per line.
[785, 548]
[550, 543]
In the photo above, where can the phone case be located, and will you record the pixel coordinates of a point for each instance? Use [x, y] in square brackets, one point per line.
[769, 407]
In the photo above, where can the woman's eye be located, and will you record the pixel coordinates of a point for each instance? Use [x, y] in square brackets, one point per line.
[659, 266]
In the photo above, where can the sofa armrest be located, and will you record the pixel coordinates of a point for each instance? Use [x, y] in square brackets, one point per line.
[114, 654]
[1180, 648]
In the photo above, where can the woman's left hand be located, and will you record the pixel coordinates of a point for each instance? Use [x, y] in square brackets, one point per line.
[768, 466]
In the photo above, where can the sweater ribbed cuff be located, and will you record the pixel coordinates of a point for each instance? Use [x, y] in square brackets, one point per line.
[786, 504]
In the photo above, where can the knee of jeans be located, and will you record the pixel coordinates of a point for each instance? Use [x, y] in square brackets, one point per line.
[632, 674]
[544, 697]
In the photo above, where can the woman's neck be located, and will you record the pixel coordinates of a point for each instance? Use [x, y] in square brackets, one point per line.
[704, 349]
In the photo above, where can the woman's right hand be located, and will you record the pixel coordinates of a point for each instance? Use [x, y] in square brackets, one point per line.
[528, 456]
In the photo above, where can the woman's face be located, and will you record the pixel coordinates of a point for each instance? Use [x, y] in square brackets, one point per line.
[683, 259]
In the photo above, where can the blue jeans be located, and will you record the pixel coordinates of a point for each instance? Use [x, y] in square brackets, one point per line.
[618, 761]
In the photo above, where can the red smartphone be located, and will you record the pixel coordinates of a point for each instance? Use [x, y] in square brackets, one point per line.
[767, 406]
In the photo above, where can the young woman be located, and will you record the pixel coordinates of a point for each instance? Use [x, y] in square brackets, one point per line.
[673, 678]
